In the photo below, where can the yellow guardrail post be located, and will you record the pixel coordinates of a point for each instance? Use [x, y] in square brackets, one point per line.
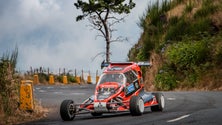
[89, 80]
[36, 79]
[82, 77]
[65, 81]
[51, 80]
[78, 79]
[26, 95]
[97, 79]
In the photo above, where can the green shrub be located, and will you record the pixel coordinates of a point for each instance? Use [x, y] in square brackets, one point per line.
[219, 55]
[59, 78]
[43, 78]
[71, 79]
[199, 27]
[187, 54]
[192, 79]
[165, 81]
[133, 52]
[140, 56]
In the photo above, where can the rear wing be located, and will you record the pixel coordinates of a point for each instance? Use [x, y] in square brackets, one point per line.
[144, 63]
[140, 64]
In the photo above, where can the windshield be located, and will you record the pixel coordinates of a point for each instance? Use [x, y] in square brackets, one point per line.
[107, 77]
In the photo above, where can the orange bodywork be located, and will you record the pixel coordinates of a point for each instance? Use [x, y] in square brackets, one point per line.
[116, 97]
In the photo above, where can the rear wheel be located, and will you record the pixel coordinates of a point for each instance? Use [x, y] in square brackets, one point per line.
[136, 106]
[67, 110]
[160, 101]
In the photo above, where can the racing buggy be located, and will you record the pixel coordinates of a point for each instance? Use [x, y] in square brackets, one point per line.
[120, 88]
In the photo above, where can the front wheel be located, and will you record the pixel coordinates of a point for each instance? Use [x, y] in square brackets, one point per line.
[160, 101]
[136, 106]
[67, 110]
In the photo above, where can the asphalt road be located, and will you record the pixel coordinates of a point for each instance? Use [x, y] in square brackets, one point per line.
[182, 108]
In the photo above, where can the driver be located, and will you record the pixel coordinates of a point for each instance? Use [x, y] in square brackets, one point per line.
[119, 79]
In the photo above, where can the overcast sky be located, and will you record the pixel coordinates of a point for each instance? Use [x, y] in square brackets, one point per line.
[47, 34]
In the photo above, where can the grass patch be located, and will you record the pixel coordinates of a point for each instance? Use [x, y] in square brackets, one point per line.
[177, 30]
[208, 8]
[189, 7]
[180, 28]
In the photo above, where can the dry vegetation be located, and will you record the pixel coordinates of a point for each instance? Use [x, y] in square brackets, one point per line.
[150, 75]
[9, 94]
[20, 116]
[13, 115]
[176, 11]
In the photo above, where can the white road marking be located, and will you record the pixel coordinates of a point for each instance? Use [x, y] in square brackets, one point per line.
[49, 87]
[171, 99]
[76, 93]
[58, 92]
[42, 91]
[179, 118]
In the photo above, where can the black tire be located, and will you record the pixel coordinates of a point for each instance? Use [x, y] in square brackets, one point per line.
[96, 114]
[67, 110]
[136, 106]
[160, 101]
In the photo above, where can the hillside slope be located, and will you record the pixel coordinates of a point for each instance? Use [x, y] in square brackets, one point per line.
[183, 40]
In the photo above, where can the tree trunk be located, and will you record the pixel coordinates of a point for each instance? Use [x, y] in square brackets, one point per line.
[106, 34]
[107, 50]
[107, 37]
